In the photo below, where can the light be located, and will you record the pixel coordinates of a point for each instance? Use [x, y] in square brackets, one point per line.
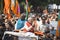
[58, 7]
[54, 6]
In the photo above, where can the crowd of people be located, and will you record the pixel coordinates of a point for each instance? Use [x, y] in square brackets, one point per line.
[43, 25]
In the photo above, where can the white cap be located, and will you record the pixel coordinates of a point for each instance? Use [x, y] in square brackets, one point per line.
[29, 18]
[33, 15]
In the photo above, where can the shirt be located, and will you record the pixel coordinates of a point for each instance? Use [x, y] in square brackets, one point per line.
[27, 27]
[19, 24]
[42, 27]
[54, 24]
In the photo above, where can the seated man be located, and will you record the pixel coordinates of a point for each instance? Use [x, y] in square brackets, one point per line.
[28, 27]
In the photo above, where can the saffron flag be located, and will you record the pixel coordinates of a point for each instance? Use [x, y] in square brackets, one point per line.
[27, 9]
[7, 8]
[58, 27]
[15, 7]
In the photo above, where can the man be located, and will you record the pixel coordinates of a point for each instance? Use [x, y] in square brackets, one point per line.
[43, 25]
[20, 23]
[28, 27]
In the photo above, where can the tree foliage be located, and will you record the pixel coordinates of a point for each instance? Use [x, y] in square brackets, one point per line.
[39, 2]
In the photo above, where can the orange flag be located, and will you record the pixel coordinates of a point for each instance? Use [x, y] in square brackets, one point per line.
[15, 7]
[28, 9]
[7, 8]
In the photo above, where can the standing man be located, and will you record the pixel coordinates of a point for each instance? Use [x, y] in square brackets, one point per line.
[20, 23]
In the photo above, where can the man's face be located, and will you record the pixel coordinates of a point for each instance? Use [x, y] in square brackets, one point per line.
[30, 21]
[7, 25]
[43, 21]
[0, 27]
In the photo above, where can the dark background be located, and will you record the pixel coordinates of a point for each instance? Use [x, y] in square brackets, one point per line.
[35, 3]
